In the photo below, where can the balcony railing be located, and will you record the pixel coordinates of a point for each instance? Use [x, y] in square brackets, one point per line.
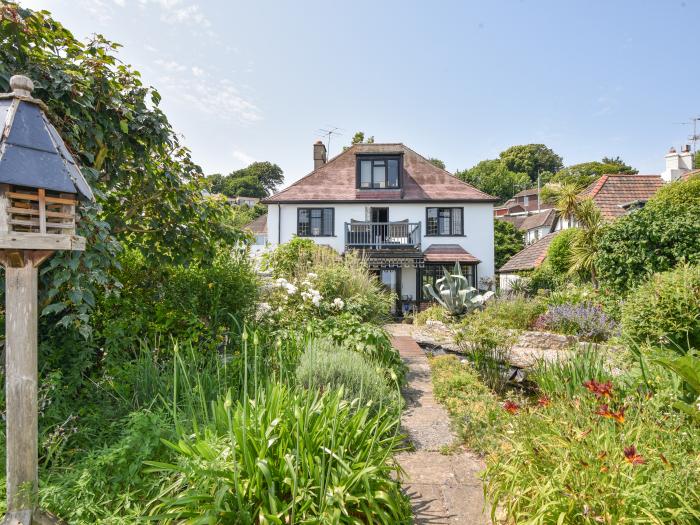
[382, 235]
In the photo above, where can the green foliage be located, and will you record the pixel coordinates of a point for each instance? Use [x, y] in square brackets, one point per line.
[478, 415]
[617, 459]
[285, 456]
[437, 162]
[516, 312]
[326, 365]
[531, 159]
[494, 178]
[559, 252]
[666, 310]
[565, 377]
[195, 303]
[259, 179]
[453, 292]
[584, 173]
[293, 258]
[359, 138]
[654, 239]
[686, 367]
[432, 313]
[508, 241]
[369, 340]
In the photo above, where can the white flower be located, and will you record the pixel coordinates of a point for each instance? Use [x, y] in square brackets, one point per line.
[306, 283]
[338, 303]
[306, 296]
[312, 275]
[291, 289]
[263, 308]
[316, 299]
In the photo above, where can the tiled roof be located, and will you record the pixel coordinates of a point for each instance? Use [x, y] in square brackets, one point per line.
[448, 253]
[530, 191]
[259, 225]
[530, 257]
[690, 174]
[335, 181]
[538, 220]
[515, 220]
[610, 192]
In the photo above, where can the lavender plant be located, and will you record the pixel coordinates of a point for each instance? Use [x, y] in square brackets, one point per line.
[585, 320]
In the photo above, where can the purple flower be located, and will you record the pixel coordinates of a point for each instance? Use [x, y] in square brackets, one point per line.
[586, 320]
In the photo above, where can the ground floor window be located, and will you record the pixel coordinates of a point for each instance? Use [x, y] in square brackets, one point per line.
[433, 271]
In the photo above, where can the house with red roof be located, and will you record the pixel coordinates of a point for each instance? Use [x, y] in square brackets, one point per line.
[406, 216]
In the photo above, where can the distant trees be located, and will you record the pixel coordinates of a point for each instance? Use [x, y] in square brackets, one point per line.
[437, 162]
[508, 241]
[493, 177]
[260, 179]
[531, 159]
[584, 173]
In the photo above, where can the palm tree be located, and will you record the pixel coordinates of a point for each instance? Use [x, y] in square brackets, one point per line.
[565, 197]
[584, 245]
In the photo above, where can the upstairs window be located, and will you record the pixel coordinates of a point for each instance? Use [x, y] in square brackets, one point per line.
[315, 222]
[445, 222]
[378, 172]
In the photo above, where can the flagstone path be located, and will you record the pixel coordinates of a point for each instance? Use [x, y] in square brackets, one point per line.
[443, 488]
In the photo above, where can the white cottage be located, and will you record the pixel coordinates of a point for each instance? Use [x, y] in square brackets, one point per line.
[408, 217]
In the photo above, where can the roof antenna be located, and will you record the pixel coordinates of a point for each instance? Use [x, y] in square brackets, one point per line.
[695, 137]
[328, 132]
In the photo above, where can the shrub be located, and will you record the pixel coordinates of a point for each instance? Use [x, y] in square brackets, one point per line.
[559, 251]
[542, 279]
[508, 241]
[294, 258]
[597, 459]
[368, 340]
[585, 320]
[654, 239]
[517, 312]
[324, 364]
[475, 410]
[286, 456]
[432, 313]
[666, 309]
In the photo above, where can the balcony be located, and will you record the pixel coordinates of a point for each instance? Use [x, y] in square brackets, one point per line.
[382, 235]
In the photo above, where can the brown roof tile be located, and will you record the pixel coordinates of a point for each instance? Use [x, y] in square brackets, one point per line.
[515, 220]
[422, 181]
[258, 225]
[530, 257]
[537, 220]
[448, 253]
[611, 192]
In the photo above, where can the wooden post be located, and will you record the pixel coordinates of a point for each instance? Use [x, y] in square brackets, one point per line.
[21, 383]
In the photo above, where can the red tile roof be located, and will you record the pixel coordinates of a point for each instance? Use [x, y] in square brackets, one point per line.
[690, 174]
[335, 181]
[611, 192]
[448, 253]
[538, 220]
[530, 257]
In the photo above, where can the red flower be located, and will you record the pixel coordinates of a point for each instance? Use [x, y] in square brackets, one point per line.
[599, 389]
[632, 457]
[511, 407]
[605, 411]
[544, 401]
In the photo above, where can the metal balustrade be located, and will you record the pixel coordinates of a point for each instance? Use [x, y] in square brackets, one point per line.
[382, 235]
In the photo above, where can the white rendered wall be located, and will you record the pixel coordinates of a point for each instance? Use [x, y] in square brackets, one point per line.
[478, 226]
[506, 280]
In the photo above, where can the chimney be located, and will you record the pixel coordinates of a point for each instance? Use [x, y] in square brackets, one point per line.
[677, 164]
[319, 154]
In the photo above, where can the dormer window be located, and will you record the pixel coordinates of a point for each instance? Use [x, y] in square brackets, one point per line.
[378, 172]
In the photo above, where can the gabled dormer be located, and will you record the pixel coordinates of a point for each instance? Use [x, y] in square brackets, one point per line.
[379, 171]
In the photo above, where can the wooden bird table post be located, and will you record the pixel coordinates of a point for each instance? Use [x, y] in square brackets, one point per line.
[39, 183]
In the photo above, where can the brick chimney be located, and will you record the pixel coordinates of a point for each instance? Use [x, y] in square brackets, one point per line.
[319, 154]
[677, 164]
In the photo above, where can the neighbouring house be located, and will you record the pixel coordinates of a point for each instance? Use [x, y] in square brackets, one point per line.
[527, 259]
[240, 200]
[678, 164]
[407, 217]
[537, 225]
[522, 203]
[258, 228]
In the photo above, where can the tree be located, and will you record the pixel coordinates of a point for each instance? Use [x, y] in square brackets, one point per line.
[149, 191]
[492, 177]
[260, 180]
[696, 160]
[359, 138]
[586, 172]
[531, 159]
[654, 239]
[584, 244]
[559, 252]
[508, 241]
[437, 162]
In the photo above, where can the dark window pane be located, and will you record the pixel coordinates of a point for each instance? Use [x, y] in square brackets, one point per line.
[366, 174]
[457, 221]
[303, 225]
[444, 221]
[328, 221]
[393, 181]
[432, 226]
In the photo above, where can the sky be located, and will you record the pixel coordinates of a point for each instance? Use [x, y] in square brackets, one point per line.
[257, 80]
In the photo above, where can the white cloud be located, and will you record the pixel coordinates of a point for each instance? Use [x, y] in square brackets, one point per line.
[178, 11]
[243, 157]
[197, 71]
[170, 65]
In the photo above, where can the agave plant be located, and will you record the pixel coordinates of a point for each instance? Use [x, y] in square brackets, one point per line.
[455, 294]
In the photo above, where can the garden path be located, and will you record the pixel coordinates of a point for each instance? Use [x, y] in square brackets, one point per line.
[443, 488]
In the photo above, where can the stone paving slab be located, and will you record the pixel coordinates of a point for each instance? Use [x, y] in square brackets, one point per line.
[444, 489]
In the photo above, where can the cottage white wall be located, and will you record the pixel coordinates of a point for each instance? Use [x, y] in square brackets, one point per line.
[506, 280]
[478, 227]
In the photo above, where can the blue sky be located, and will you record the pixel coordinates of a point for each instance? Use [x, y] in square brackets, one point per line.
[461, 81]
